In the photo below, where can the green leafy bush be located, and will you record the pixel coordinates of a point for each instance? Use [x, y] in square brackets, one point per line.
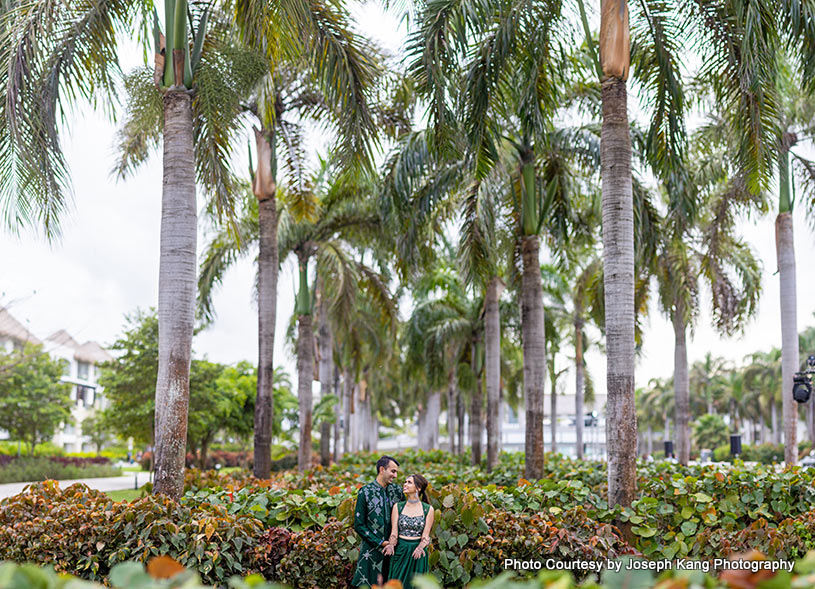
[320, 558]
[294, 509]
[79, 530]
[40, 468]
[710, 431]
[126, 575]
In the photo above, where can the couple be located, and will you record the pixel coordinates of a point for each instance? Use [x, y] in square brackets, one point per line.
[395, 527]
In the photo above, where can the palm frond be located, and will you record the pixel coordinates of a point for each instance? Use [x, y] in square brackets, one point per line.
[222, 250]
[657, 38]
[224, 77]
[144, 121]
[54, 55]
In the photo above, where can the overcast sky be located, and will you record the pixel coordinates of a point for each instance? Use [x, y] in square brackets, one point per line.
[106, 263]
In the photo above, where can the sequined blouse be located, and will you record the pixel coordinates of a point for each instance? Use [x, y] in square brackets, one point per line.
[411, 526]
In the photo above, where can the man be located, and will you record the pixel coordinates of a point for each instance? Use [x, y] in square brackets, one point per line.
[372, 521]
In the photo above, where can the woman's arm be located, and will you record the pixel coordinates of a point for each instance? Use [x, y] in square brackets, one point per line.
[428, 524]
[394, 525]
[418, 552]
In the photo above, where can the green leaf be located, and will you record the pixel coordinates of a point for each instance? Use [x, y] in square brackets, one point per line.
[702, 497]
[644, 531]
[688, 528]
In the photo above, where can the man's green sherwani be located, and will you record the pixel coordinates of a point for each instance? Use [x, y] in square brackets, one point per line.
[372, 521]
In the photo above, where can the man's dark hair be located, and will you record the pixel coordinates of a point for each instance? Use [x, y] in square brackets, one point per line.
[384, 461]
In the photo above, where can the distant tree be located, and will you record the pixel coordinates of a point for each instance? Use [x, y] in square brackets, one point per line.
[97, 430]
[710, 431]
[33, 402]
[221, 397]
[129, 381]
[209, 406]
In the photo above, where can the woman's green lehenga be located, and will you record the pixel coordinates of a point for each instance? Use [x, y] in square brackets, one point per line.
[403, 566]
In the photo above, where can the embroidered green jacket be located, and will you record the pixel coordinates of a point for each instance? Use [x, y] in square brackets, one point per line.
[372, 521]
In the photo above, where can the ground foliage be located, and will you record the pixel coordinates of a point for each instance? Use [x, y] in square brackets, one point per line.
[166, 573]
[15, 469]
[296, 528]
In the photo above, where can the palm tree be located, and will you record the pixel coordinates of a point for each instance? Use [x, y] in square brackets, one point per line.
[333, 89]
[59, 63]
[659, 401]
[763, 373]
[343, 216]
[446, 330]
[67, 51]
[704, 377]
[703, 246]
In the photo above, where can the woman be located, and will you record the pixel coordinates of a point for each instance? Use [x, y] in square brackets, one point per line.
[411, 521]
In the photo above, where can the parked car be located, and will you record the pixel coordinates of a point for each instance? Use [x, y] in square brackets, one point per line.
[590, 419]
[808, 461]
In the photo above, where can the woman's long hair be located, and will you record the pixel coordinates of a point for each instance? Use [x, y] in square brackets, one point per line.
[421, 485]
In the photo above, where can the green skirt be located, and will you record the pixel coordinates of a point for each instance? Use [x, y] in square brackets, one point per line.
[403, 566]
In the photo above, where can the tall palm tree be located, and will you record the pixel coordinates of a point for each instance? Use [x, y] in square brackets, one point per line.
[700, 244]
[446, 330]
[68, 51]
[56, 53]
[335, 89]
[704, 377]
[763, 373]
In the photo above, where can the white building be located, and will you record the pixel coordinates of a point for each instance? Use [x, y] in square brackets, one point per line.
[81, 372]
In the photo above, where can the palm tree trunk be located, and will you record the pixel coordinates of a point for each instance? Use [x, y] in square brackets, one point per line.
[492, 367]
[176, 298]
[338, 410]
[460, 420]
[326, 368]
[421, 426]
[579, 384]
[433, 413]
[789, 332]
[367, 423]
[452, 385]
[475, 408]
[265, 190]
[553, 407]
[618, 254]
[347, 392]
[681, 388]
[534, 353]
[305, 375]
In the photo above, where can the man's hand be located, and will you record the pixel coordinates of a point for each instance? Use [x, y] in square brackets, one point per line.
[389, 549]
[384, 545]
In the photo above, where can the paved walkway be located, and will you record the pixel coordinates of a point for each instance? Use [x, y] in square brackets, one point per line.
[126, 481]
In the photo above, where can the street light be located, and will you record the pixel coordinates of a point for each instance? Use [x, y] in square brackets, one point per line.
[802, 382]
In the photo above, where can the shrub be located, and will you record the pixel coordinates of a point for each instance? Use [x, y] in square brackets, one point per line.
[533, 537]
[294, 509]
[79, 530]
[320, 558]
[161, 573]
[272, 546]
[39, 468]
[195, 479]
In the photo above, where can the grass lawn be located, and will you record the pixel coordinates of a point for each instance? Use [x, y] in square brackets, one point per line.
[124, 494]
[134, 468]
